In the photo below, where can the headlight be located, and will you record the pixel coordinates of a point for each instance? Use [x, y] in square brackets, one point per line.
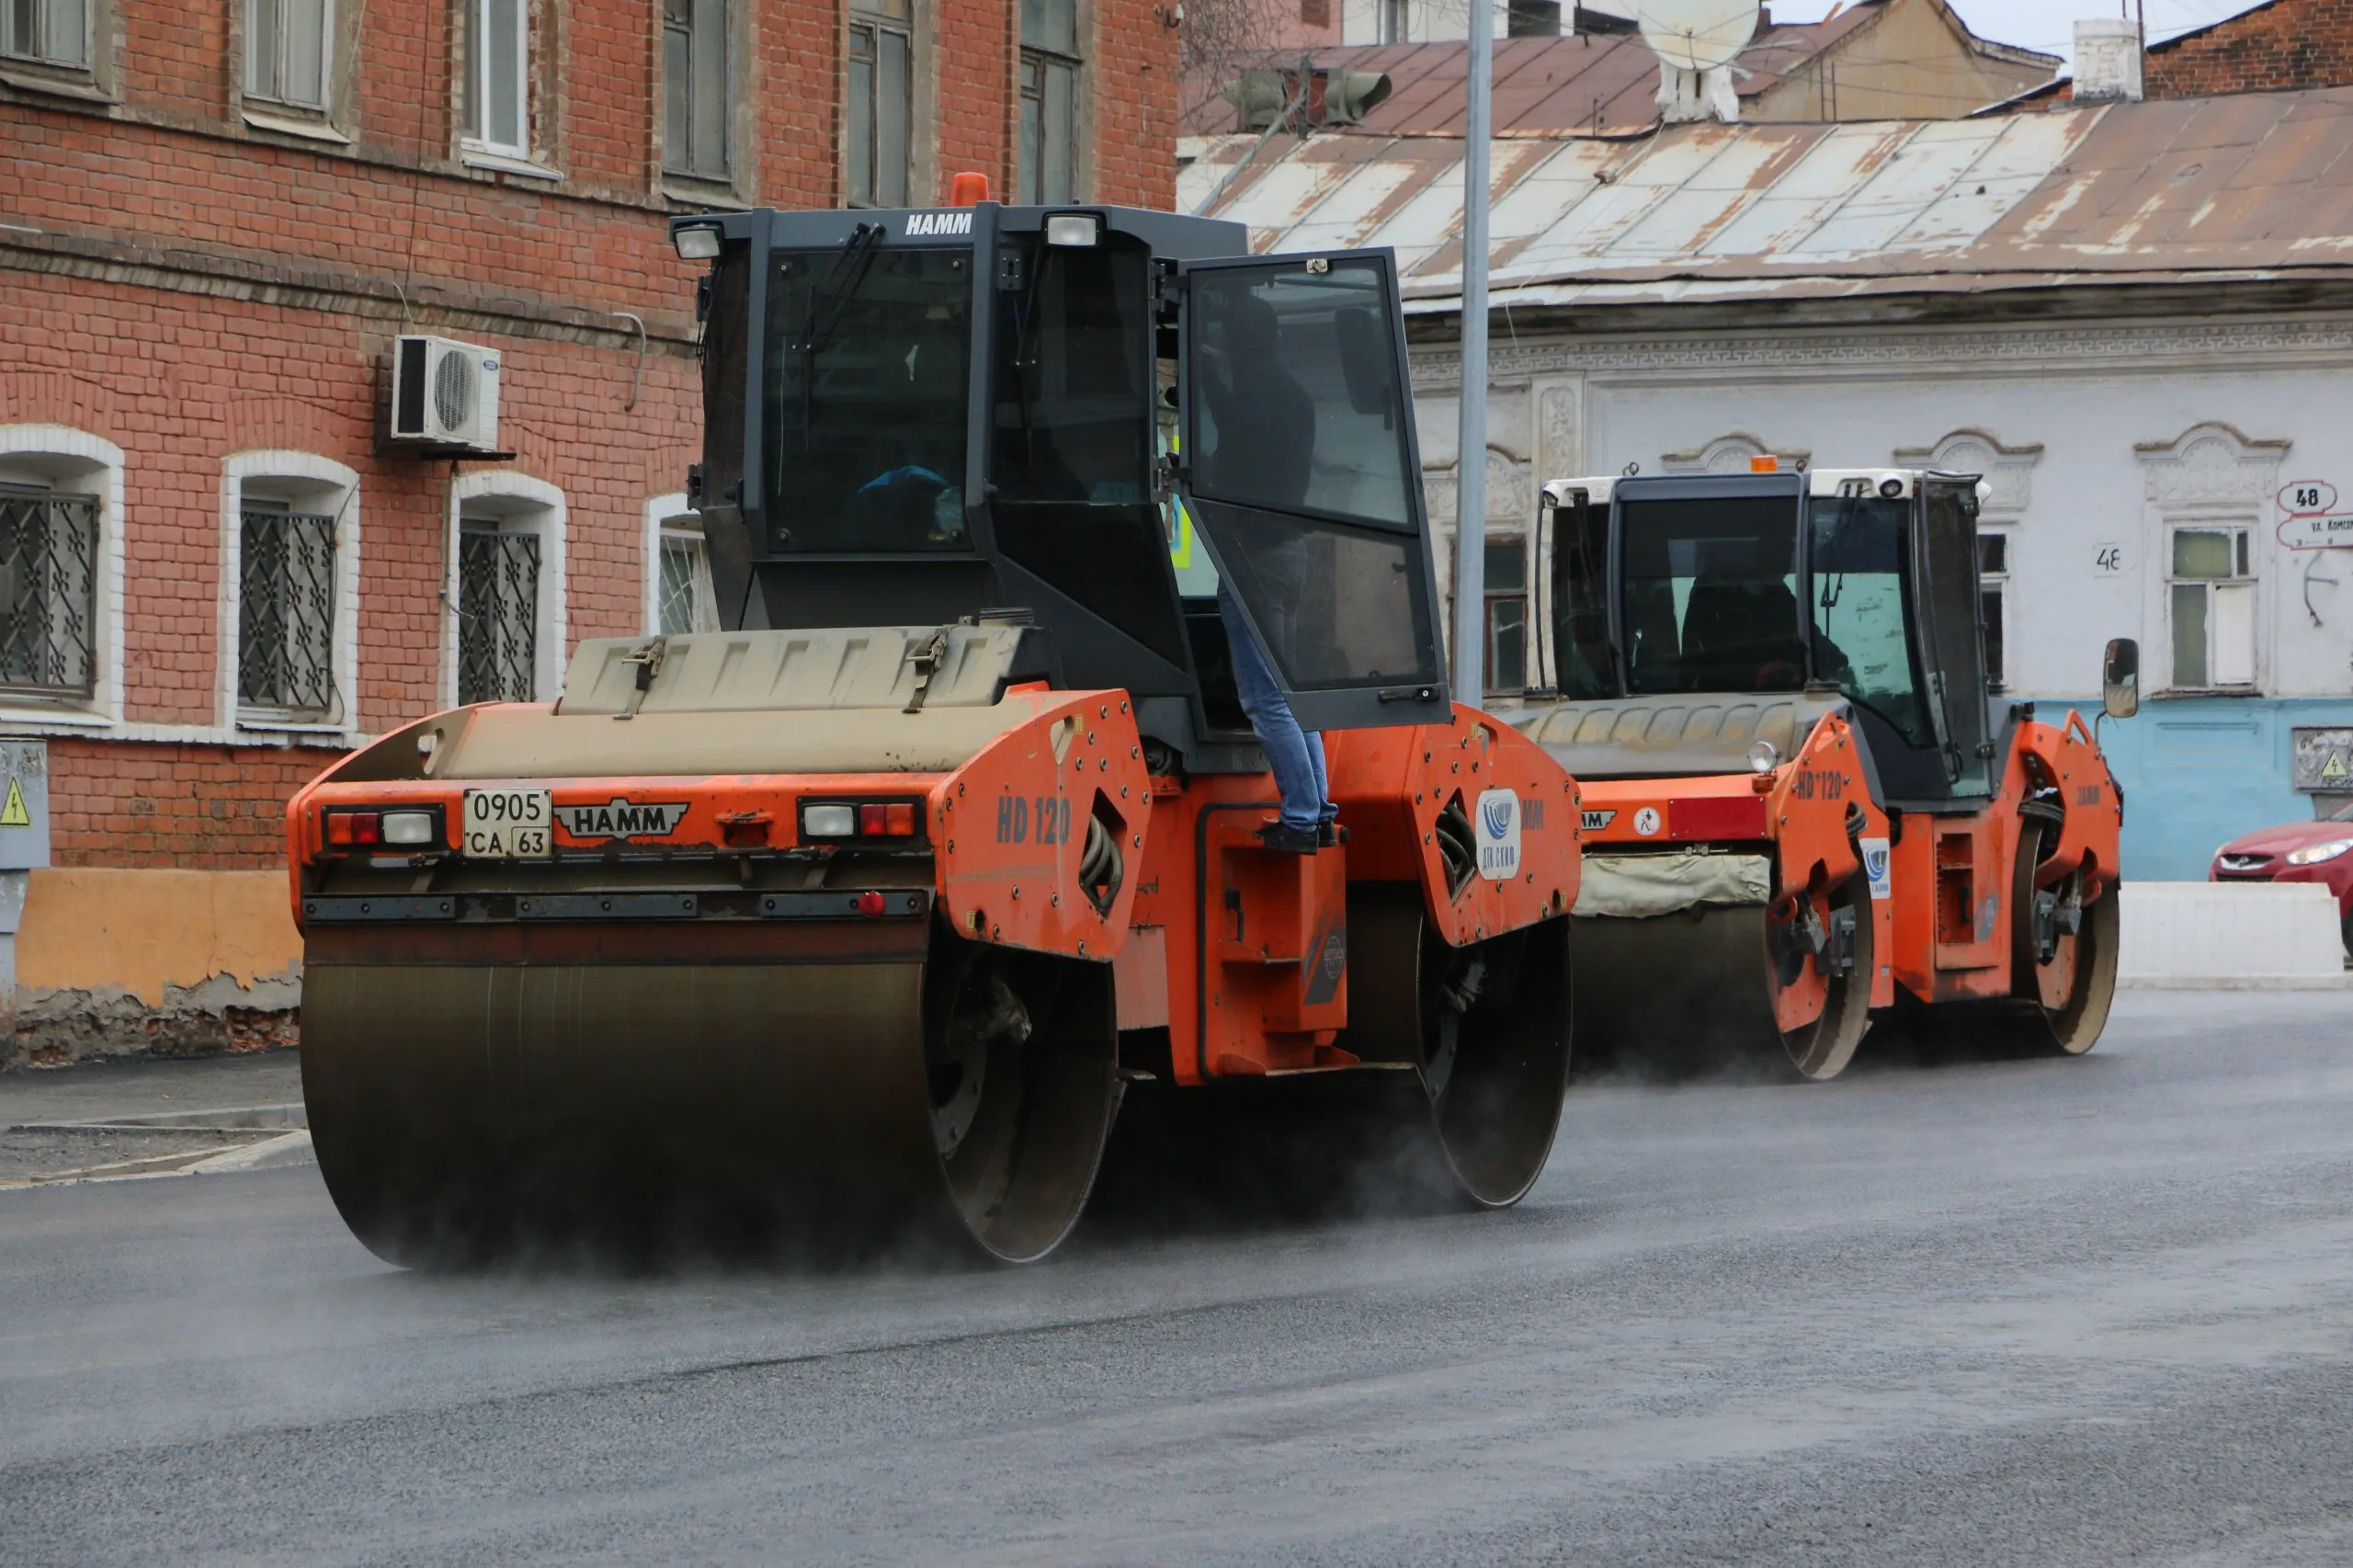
[2314, 854]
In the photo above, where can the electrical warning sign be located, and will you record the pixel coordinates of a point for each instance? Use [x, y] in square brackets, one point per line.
[2322, 761]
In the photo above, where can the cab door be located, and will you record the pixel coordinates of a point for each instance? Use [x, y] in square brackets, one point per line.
[1298, 466]
[1952, 641]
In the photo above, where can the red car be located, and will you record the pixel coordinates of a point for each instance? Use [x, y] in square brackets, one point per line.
[2318, 851]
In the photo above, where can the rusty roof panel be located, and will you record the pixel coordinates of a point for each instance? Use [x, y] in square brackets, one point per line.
[2217, 188]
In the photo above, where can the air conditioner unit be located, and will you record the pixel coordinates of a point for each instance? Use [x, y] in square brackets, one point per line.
[444, 393]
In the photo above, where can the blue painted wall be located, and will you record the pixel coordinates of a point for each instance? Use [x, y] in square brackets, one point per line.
[2198, 771]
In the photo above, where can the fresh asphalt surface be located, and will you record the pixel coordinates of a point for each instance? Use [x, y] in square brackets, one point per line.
[2093, 1311]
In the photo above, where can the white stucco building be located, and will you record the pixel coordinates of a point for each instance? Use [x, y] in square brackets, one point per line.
[2136, 319]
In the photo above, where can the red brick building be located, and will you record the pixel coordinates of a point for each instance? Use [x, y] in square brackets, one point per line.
[2284, 43]
[216, 216]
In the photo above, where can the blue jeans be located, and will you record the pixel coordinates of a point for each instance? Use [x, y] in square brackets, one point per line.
[1296, 756]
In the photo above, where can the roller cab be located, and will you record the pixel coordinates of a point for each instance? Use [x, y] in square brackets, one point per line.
[1800, 793]
[861, 927]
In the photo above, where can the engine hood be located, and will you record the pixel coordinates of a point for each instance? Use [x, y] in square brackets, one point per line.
[2286, 837]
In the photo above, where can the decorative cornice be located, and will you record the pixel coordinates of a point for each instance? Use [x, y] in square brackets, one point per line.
[1865, 349]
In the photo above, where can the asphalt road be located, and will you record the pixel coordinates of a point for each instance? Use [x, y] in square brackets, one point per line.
[2095, 1312]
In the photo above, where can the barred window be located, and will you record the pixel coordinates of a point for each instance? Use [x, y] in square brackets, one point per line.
[683, 600]
[498, 613]
[49, 554]
[285, 610]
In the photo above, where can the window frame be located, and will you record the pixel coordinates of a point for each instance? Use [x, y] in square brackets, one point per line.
[45, 496]
[316, 484]
[63, 456]
[1994, 585]
[330, 19]
[732, 52]
[517, 503]
[85, 66]
[474, 88]
[2246, 576]
[668, 518]
[1044, 58]
[865, 16]
[1496, 598]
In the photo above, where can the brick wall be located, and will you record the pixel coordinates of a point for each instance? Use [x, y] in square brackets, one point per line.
[188, 287]
[2288, 43]
[195, 807]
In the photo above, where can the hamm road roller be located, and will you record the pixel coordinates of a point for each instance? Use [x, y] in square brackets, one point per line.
[1801, 797]
[850, 927]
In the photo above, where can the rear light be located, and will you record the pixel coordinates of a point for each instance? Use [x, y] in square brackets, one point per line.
[859, 819]
[415, 828]
[355, 829]
[828, 821]
[409, 828]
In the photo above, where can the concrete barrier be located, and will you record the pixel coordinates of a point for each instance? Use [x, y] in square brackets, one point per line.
[2230, 935]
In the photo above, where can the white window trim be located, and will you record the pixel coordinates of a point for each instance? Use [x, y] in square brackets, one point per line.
[2211, 475]
[104, 710]
[516, 156]
[307, 468]
[547, 520]
[2005, 530]
[659, 510]
[2215, 519]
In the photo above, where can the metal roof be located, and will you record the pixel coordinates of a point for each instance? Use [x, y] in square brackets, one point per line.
[2114, 192]
[1605, 83]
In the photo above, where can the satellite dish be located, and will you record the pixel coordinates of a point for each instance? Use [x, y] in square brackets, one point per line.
[1697, 35]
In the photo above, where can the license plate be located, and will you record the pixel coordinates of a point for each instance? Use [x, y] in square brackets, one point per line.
[507, 824]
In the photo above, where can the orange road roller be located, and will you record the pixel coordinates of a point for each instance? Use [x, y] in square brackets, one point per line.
[853, 928]
[1803, 802]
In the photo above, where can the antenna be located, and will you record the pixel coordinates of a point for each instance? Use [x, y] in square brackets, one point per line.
[1697, 35]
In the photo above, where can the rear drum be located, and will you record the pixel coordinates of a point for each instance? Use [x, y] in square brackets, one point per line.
[651, 1112]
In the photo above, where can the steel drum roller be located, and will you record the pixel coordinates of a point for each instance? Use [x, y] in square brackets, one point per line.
[464, 1110]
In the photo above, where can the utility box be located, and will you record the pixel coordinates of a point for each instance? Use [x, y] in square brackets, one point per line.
[24, 806]
[24, 849]
[2322, 760]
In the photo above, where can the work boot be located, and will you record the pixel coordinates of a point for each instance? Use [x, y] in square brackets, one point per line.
[1288, 840]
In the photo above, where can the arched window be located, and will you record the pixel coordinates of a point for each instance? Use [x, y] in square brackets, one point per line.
[678, 597]
[61, 576]
[504, 636]
[289, 555]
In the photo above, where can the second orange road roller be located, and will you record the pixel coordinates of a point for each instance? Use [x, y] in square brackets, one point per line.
[855, 924]
[1804, 801]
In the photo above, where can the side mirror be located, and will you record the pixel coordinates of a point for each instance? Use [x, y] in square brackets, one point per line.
[2120, 678]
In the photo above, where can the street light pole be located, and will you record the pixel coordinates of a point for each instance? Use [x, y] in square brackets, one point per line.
[1471, 462]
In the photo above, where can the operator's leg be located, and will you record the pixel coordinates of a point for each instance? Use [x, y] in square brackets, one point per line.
[1297, 759]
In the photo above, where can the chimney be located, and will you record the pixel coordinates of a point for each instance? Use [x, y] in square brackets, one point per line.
[2108, 61]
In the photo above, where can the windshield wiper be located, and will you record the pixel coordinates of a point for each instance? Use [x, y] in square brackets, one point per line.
[828, 302]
